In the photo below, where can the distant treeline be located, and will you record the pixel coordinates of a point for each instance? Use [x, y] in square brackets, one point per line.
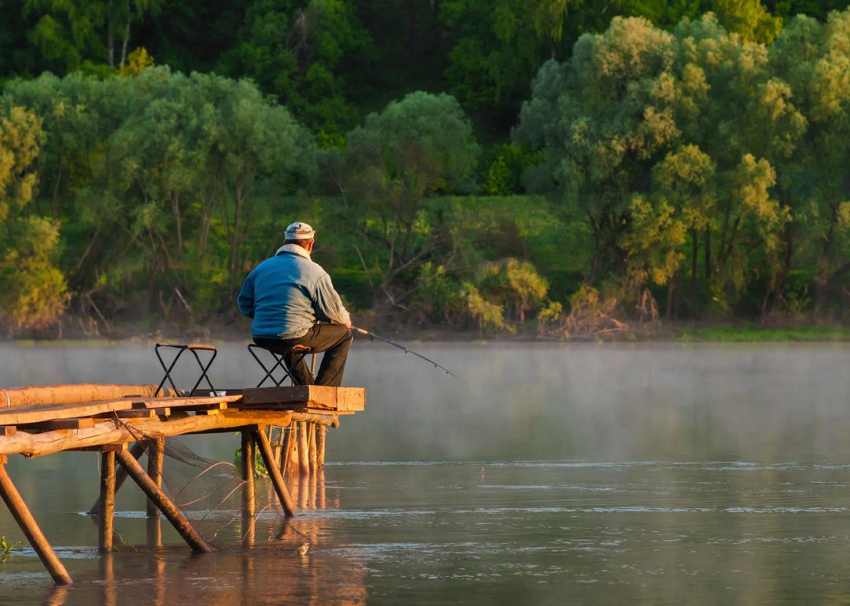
[681, 171]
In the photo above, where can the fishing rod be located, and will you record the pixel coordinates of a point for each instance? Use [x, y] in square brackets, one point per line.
[373, 337]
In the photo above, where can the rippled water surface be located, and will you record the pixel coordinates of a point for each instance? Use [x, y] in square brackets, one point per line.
[664, 474]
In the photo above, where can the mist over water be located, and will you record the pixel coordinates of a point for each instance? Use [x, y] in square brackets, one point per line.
[545, 473]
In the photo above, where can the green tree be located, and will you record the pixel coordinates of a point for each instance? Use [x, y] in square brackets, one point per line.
[69, 34]
[417, 147]
[813, 58]
[300, 52]
[34, 292]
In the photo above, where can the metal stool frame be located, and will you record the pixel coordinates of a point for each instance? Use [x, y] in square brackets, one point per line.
[279, 362]
[194, 348]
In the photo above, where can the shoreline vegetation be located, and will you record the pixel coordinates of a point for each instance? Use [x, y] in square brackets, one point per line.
[662, 171]
[675, 332]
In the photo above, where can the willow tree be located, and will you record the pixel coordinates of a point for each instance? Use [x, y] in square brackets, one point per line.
[417, 147]
[697, 110]
[604, 118]
[33, 292]
[814, 59]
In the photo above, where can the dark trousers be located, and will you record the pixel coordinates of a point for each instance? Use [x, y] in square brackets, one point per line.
[332, 339]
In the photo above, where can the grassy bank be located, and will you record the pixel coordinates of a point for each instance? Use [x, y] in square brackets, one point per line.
[752, 333]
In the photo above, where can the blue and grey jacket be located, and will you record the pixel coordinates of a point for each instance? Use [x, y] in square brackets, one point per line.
[287, 294]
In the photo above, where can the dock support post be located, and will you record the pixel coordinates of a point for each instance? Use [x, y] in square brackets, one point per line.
[156, 452]
[249, 502]
[295, 455]
[30, 528]
[286, 450]
[137, 450]
[165, 505]
[274, 474]
[311, 434]
[303, 449]
[107, 501]
[321, 434]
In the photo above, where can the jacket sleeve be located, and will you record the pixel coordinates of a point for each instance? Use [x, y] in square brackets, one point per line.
[245, 300]
[326, 303]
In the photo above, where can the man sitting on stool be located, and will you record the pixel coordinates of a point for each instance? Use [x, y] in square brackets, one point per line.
[287, 296]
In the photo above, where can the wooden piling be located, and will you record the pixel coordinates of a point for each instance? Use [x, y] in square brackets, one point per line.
[303, 449]
[137, 449]
[30, 528]
[156, 454]
[286, 451]
[165, 505]
[311, 434]
[321, 434]
[153, 531]
[295, 455]
[274, 474]
[249, 502]
[107, 499]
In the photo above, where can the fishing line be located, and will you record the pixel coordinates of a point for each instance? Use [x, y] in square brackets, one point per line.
[405, 349]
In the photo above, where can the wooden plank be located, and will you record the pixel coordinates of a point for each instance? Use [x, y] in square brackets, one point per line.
[36, 413]
[351, 399]
[62, 424]
[185, 402]
[71, 394]
[7, 430]
[314, 396]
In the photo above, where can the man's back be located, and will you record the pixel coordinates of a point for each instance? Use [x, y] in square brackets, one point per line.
[287, 294]
[292, 303]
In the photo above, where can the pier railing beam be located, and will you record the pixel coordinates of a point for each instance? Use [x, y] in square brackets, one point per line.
[30, 528]
[274, 473]
[161, 500]
[107, 501]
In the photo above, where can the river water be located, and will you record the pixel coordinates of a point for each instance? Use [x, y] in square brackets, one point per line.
[545, 474]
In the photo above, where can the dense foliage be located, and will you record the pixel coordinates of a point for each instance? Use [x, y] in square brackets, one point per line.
[477, 164]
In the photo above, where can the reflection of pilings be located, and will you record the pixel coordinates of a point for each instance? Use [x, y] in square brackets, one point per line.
[168, 509]
[30, 528]
[106, 501]
[110, 593]
[249, 502]
[58, 596]
[158, 573]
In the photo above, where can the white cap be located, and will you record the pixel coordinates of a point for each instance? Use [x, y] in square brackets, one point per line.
[299, 231]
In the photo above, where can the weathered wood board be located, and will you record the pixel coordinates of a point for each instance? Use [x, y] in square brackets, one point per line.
[307, 396]
[36, 413]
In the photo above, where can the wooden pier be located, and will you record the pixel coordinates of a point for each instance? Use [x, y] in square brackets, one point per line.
[123, 421]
